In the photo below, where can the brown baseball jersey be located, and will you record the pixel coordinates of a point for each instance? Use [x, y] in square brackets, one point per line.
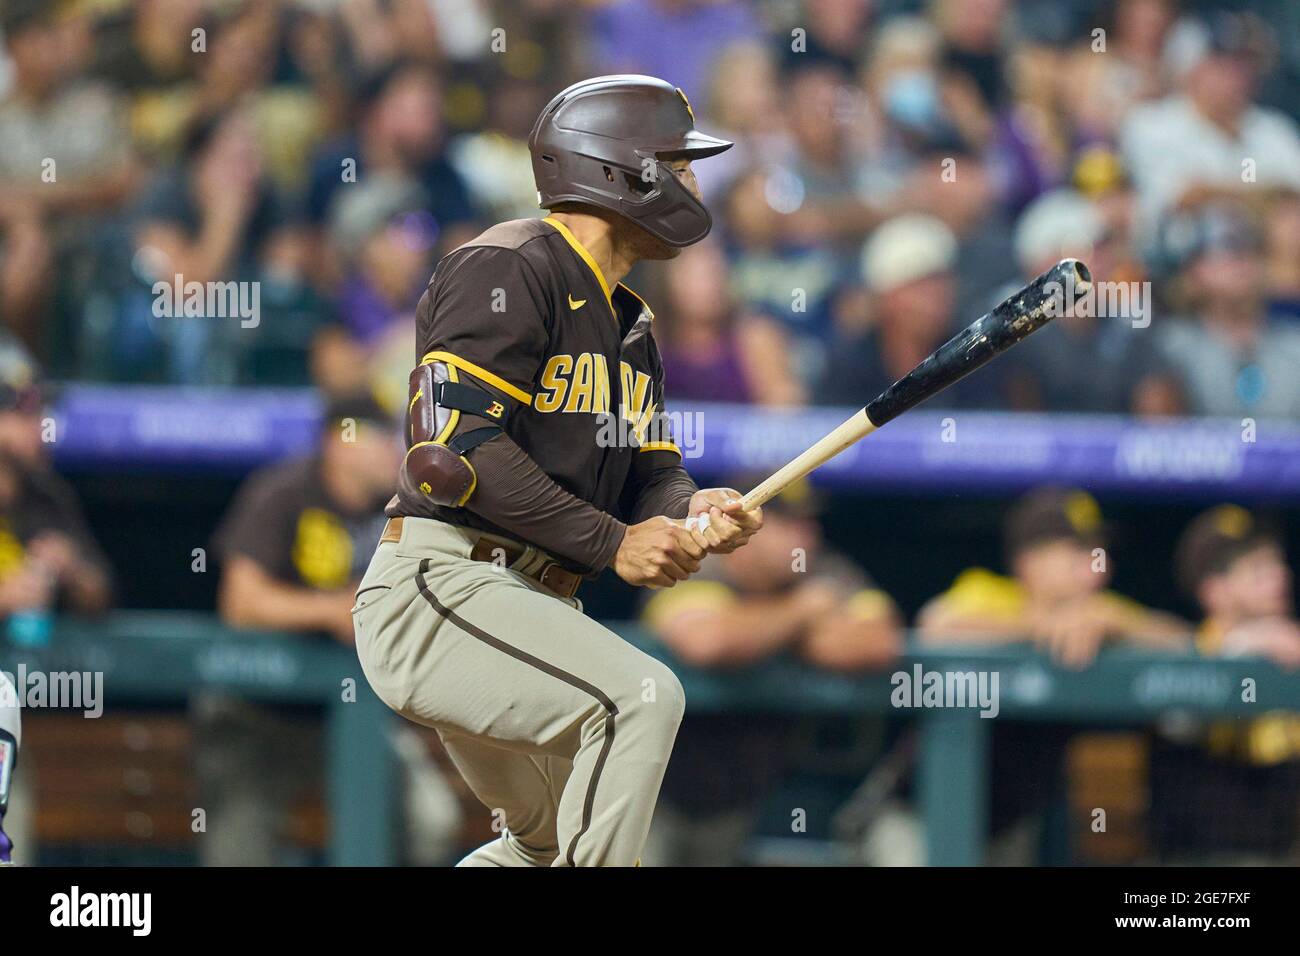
[285, 521]
[524, 313]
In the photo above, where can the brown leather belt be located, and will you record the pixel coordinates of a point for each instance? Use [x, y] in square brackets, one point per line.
[506, 553]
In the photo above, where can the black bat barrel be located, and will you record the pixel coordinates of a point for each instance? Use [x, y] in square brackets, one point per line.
[1018, 316]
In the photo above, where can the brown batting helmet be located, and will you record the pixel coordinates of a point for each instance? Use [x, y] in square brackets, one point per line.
[604, 141]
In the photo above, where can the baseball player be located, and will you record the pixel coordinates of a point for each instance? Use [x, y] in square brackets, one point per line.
[11, 731]
[539, 454]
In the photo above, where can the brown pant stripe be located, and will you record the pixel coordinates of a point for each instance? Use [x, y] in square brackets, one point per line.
[611, 710]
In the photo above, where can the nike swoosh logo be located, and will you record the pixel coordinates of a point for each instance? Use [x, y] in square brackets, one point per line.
[576, 303]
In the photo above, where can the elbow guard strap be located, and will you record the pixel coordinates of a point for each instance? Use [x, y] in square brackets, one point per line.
[435, 465]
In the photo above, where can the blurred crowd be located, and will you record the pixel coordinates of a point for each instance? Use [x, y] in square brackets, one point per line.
[900, 167]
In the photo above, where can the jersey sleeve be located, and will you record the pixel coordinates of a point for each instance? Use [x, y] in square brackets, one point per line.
[258, 525]
[486, 314]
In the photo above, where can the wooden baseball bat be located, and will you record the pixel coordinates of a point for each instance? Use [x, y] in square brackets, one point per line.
[1017, 317]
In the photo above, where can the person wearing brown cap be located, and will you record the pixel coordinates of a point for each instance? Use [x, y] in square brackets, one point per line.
[1056, 595]
[1236, 571]
[292, 547]
[1202, 779]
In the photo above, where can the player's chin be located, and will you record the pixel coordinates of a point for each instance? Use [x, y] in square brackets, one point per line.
[647, 246]
[657, 250]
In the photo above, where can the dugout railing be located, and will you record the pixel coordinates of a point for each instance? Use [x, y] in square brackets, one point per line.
[164, 657]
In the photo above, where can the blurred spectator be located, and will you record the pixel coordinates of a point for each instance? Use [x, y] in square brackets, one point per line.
[1033, 140]
[64, 156]
[292, 551]
[1202, 776]
[495, 163]
[144, 49]
[829, 31]
[341, 367]
[672, 39]
[908, 268]
[383, 32]
[795, 284]
[918, 158]
[1086, 361]
[1236, 571]
[743, 105]
[294, 541]
[1210, 141]
[285, 88]
[1132, 68]
[183, 63]
[216, 218]
[386, 241]
[1234, 359]
[1056, 595]
[904, 84]
[784, 593]
[974, 80]
[712, 354]
[400, 131]
[48, 556]
[820, 200]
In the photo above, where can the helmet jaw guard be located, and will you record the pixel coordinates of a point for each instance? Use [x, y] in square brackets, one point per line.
[668, 211]
[603, 142]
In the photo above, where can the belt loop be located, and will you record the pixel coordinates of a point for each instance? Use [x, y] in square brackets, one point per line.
[531, 561]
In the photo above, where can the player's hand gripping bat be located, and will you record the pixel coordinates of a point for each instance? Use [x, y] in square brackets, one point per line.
[987, 337]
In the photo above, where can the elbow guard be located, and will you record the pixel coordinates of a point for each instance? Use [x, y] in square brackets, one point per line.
[436, 465]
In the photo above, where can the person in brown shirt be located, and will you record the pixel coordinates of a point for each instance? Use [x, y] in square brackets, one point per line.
[300, 533]
[48, 556]
[547, 457]
[1228, 791]
[291, 548]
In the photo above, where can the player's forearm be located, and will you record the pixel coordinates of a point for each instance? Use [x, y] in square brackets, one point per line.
[664, 490]
[517, 496]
